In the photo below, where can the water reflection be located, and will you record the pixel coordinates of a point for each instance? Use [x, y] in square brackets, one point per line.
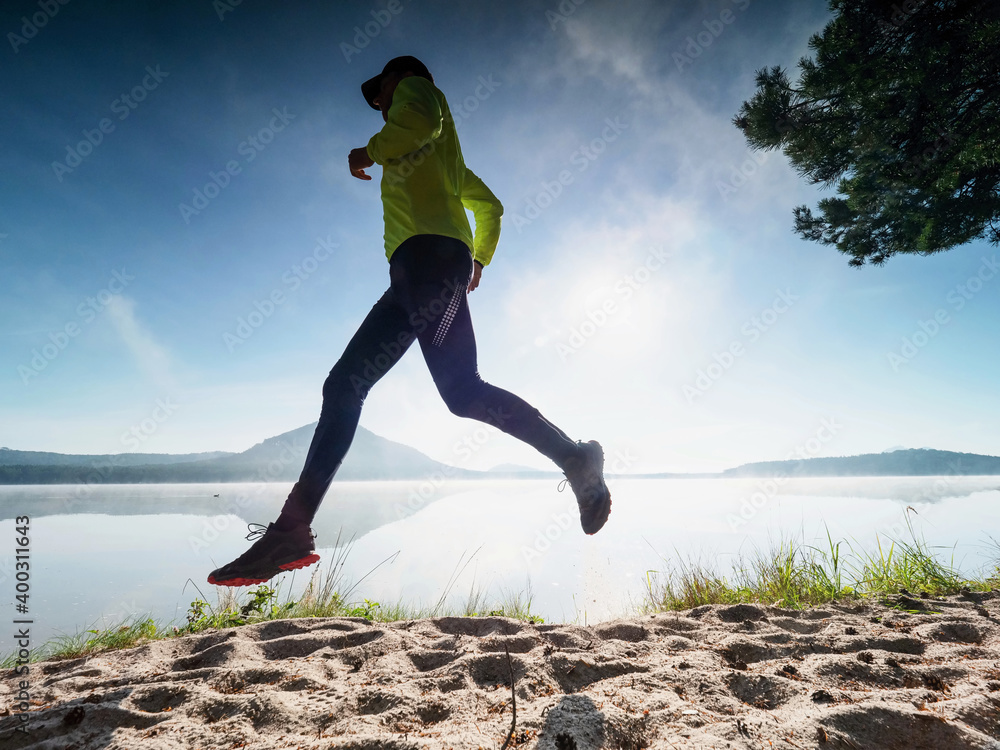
[147, 549]
[350, 508]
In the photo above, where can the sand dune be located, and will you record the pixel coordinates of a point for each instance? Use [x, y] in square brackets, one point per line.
[840, 676]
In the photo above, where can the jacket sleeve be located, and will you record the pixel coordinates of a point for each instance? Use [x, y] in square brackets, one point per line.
[486, 210]
[414, 119]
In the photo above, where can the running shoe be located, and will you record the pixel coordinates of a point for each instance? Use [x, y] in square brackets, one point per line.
[274, 552]
[585, 474]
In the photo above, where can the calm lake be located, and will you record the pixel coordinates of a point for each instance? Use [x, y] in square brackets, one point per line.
[102, 554]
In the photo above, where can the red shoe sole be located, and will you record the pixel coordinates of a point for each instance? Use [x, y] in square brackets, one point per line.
[301, 563]
[307, 560]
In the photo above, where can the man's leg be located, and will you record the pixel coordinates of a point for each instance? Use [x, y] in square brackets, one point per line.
[383, 337]
[286, 544]
[431, 279]
[431, 275]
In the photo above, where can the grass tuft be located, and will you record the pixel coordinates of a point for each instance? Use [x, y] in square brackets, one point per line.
[795, 575]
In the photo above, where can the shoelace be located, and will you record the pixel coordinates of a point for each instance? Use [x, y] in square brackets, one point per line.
[258, 532]
[562, 484]
[262, 529]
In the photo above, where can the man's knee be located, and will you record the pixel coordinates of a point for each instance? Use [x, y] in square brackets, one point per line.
[463, 402]
[459, 408]
[344, 388]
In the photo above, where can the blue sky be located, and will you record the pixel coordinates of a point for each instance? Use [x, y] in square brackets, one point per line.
[648, 290]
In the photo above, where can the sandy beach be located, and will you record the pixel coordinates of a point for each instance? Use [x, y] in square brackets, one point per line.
[920, 673]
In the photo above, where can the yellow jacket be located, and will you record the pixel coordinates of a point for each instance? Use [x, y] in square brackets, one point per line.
[426, 186]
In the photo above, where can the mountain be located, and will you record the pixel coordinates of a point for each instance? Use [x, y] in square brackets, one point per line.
[370, 457]
[911, 462]
[280, 459]
[276, 459]
[10, 457]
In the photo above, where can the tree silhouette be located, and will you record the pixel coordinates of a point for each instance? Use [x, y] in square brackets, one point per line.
[901, 111]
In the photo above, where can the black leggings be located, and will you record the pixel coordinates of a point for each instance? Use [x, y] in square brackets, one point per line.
[426, 300]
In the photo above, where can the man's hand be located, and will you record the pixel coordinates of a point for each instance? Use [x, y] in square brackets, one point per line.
[477, 271]
[359, 161]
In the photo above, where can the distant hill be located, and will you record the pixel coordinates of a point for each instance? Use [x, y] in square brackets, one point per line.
[516, 471]
[280, 459]
[913, 462]
[370, 457]
[276, 459]
[10, 457]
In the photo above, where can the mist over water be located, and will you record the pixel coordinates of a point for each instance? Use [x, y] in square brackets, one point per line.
[123, 550]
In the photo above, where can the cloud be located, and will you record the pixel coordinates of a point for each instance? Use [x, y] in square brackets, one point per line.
[153, 360]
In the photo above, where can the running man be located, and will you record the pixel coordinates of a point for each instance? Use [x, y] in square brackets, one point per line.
[434, 262]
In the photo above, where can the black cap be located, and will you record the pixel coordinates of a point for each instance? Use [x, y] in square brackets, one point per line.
[372, 86]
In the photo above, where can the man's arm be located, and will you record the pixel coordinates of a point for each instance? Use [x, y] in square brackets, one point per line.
[414, 119]
[359, 161]
[486, 210]
[477, 274]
